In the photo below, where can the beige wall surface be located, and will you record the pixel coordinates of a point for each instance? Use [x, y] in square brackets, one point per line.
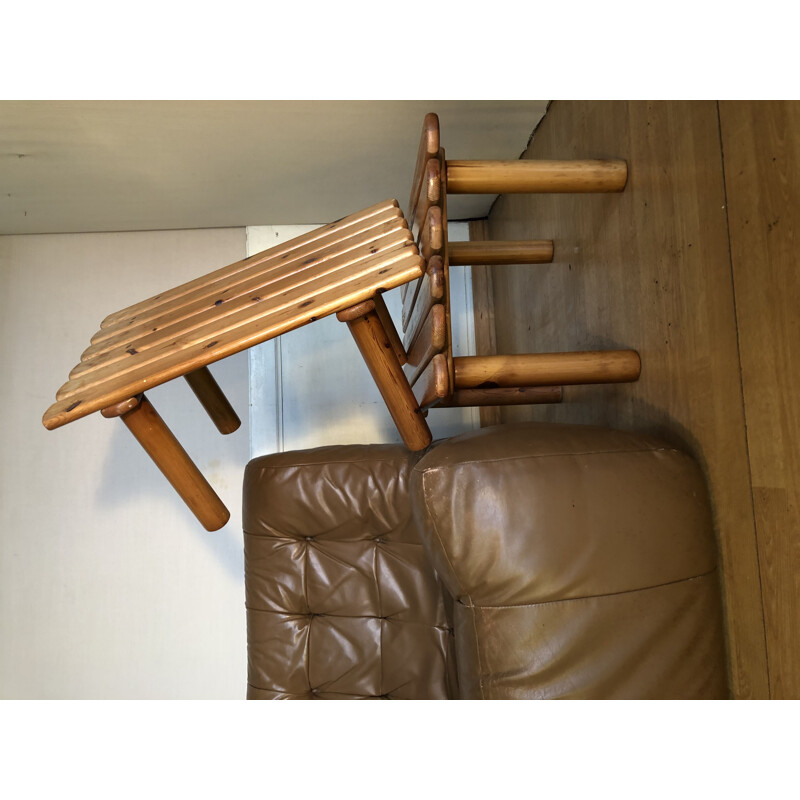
[74, 166]
[109, 588]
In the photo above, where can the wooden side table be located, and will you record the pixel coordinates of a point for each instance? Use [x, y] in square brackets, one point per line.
[440, 379]
[341, 268]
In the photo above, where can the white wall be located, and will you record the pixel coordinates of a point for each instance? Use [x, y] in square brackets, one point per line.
[109, 588]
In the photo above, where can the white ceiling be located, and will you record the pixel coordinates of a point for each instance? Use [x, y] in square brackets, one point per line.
[82, 166]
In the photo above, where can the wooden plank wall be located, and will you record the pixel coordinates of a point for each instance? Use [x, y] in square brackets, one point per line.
[660, 269]
[761, 147]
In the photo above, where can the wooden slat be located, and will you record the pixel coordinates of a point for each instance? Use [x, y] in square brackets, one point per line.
[431, 340]
[432, 234]
[431, 291]
[491, 253]
[243, 279]
[323, 236]
[430, 194]
[448, 350]
[434, 384]
[232, 303]
[432, 240]
[209, 344]
[428, 147]
[302, 299]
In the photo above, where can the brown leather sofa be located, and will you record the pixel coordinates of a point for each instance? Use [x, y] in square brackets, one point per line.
[521, 561]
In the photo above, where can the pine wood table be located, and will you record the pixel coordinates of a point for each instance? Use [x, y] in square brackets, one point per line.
[437, 376]
[340, 268]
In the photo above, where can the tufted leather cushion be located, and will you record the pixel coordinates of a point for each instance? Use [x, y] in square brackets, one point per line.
[582, 561]
[341, 600]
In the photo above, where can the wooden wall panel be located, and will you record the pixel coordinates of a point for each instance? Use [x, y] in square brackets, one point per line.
[647, 269]
[762, 175]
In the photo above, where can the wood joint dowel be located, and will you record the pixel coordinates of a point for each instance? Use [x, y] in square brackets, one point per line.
[523, 176]
[119, 409]
[144, 422]
[213, 400]
[491, 253]
[546, 369]
[376, 348]
[356, 311]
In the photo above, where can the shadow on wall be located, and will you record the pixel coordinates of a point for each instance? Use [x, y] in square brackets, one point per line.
[135, 488]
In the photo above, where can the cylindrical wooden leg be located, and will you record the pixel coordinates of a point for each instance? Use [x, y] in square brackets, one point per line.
[377, 350]
[508, 252]
[504, 177]
[213, 400]
[546, 369]
[388, 326]
[144, 422]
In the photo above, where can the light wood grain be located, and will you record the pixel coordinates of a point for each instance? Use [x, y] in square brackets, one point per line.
[432, 236]
[489, 253]
[430, 341]
[220, 338]
[433, 385]
[388, 326]
[213, 400]
[546, 369]
[430, 193]
[647, 269]
[144, 422]
[235, 304]
[506, 177]
[215, 298]
[428, 147]
[431, 291]
[762, 177]
[376, 348]
[308, 243]
[297, 305]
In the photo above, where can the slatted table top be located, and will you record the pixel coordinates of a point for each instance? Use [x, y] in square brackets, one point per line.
[239, 306]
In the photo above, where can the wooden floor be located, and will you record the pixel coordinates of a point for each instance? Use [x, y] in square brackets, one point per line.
[693, 266]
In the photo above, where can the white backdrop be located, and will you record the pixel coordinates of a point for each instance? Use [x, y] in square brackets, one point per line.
[109, 587]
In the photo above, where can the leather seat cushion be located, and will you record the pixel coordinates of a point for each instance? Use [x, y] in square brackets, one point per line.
[582, 560]
[341, 600]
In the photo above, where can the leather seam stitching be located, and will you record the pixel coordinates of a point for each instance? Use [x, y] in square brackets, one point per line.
[423, 468]
[299, 694]
[605, 594]
[295, 464]
[443, 628]
[455, 575]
